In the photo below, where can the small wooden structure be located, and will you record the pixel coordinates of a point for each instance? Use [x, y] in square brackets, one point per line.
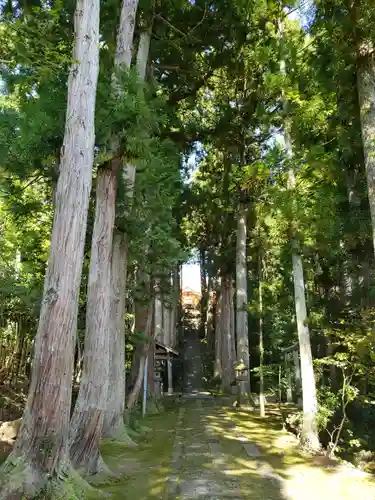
[163, 356]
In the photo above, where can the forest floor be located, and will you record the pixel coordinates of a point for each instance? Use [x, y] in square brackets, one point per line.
[203, 448]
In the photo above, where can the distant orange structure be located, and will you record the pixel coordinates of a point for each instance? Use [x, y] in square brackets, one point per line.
[190, 297]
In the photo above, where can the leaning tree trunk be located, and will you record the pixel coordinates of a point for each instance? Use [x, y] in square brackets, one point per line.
[366, 94]
[41, 449]
[87, 419]
[241, 300]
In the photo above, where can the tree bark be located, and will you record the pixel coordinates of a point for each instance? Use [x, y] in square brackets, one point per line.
[43, 439]
[288, 375]
[204, 294]
[227, 359]
[113, 425]
[158, 316]
[19, 349]
[297, 376]
[366, 94]
[210, 319]
[141, 307]
[116, 396]
[241, 299]
[175, 305]
[218, 369]
[261, 343]
[133, 396]
[166, 322]
[87, 419]
[309, 436]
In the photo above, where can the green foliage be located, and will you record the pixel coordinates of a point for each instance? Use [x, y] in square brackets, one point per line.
[329, 405]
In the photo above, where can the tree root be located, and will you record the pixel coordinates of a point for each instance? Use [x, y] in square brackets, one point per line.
[104, 474]
[73, 487]
[20, 480]
[121, 436]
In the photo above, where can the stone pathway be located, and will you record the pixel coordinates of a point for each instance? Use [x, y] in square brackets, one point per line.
[207, 454]
[192, 361]
[205, 449]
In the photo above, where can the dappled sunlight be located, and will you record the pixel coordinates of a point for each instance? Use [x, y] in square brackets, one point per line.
[208, 466]
[304, 477]
[224, 453]
[236, 472]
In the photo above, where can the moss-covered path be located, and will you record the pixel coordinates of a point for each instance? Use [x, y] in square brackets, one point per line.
[209, 458]
[202, 449]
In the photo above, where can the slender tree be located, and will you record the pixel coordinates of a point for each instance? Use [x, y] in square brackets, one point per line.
[241, 299]
[227, 332]
[309, 435]
[261, 340]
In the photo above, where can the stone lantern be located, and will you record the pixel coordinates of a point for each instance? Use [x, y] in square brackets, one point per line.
[242, 375]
